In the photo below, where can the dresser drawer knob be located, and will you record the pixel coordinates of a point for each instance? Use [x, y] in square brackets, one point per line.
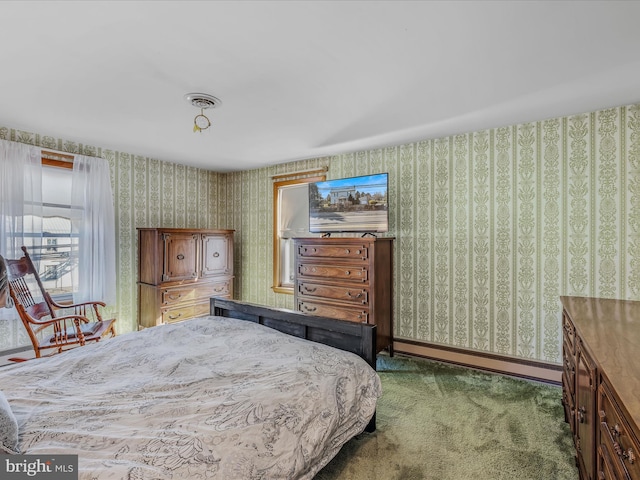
[350, 295]
[173, 317]
[347, 251]
[581, 414]
[216, 254]
[309, 289]
[347, 272]
[309, 309]
[180, 256]
[174, 296]
[615, 431]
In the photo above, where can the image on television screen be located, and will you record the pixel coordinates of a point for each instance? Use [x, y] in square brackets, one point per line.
[354, 204]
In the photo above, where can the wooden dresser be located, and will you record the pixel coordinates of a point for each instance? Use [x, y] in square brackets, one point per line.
[349, 279]
[601, 385]
[179, 270]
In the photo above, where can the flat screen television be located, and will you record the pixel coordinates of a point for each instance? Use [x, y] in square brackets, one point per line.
[354, 204]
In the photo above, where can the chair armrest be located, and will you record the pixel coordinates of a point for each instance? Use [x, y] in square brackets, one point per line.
[63, 323]
[82, 309]
[73, 305]
[82, 318]
[51, 321]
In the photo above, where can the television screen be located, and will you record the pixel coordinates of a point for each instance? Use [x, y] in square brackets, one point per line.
[354, 204]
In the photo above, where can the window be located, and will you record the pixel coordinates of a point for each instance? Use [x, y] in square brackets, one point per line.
[58, 267]
[291, 220]
[60, 206]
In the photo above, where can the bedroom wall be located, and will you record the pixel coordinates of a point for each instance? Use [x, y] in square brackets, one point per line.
[148, 193]
[491, 228]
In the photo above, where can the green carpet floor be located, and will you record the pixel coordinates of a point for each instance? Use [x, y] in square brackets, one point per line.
[443, 422]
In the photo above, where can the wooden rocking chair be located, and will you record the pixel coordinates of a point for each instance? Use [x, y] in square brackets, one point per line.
[37, 310]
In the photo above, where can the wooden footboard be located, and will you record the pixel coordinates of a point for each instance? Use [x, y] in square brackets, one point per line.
[358, 338]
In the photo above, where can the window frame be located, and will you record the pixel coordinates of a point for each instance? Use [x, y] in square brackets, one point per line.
[280, 181]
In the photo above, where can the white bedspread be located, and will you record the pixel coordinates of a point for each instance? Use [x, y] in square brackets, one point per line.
[206, 398]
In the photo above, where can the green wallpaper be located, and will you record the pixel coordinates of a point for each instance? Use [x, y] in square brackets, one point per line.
[491, 227]
[148, 193]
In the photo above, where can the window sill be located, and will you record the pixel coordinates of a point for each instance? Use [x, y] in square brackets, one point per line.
[281, 289]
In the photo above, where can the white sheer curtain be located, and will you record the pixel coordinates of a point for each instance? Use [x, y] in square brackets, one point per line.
[94, 221]
[20, 201]
[20, 197]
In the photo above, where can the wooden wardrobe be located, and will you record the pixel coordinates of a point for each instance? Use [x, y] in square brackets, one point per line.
[179, 270]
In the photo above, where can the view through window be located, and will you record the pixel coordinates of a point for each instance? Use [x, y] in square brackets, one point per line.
[58, 268]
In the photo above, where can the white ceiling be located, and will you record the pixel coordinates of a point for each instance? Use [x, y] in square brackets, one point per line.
[305, 79]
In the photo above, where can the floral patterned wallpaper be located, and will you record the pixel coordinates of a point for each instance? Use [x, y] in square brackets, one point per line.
[490, 227]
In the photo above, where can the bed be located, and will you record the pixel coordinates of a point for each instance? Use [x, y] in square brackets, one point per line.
[249, 392]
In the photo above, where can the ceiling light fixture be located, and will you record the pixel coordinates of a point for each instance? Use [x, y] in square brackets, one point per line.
[202, 100]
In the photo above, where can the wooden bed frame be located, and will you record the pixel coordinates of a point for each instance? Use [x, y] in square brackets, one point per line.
[358, 338]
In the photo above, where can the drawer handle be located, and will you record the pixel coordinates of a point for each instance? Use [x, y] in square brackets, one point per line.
[309, 309]
[347, 251]
[173, 317]
[180, 256]
[218, 289]
[624, 454]
[347, 272]
[581, 414]
[615, 431]
[216, 254]
[309, 289]
[354, 296]
[174, 297]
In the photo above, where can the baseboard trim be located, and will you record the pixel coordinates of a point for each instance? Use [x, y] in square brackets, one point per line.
[519, 367]
[5, 355]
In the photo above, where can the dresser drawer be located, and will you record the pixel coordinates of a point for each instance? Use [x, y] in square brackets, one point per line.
[605, 469]
[360, 315]
[190, 293]
[182, 294]
[186, 312]
[569, 334]
[336, 251]
[569, 371]
[617, 438]
[357, 273]
[569, 403]
[356, 295]
[219, 289]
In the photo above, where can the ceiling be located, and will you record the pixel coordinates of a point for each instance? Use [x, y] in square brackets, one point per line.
[306, 79]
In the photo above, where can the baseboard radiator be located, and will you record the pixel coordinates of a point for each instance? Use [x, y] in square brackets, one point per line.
[518, 367]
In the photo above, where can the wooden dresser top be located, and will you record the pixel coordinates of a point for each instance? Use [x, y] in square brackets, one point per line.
[610, 330]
